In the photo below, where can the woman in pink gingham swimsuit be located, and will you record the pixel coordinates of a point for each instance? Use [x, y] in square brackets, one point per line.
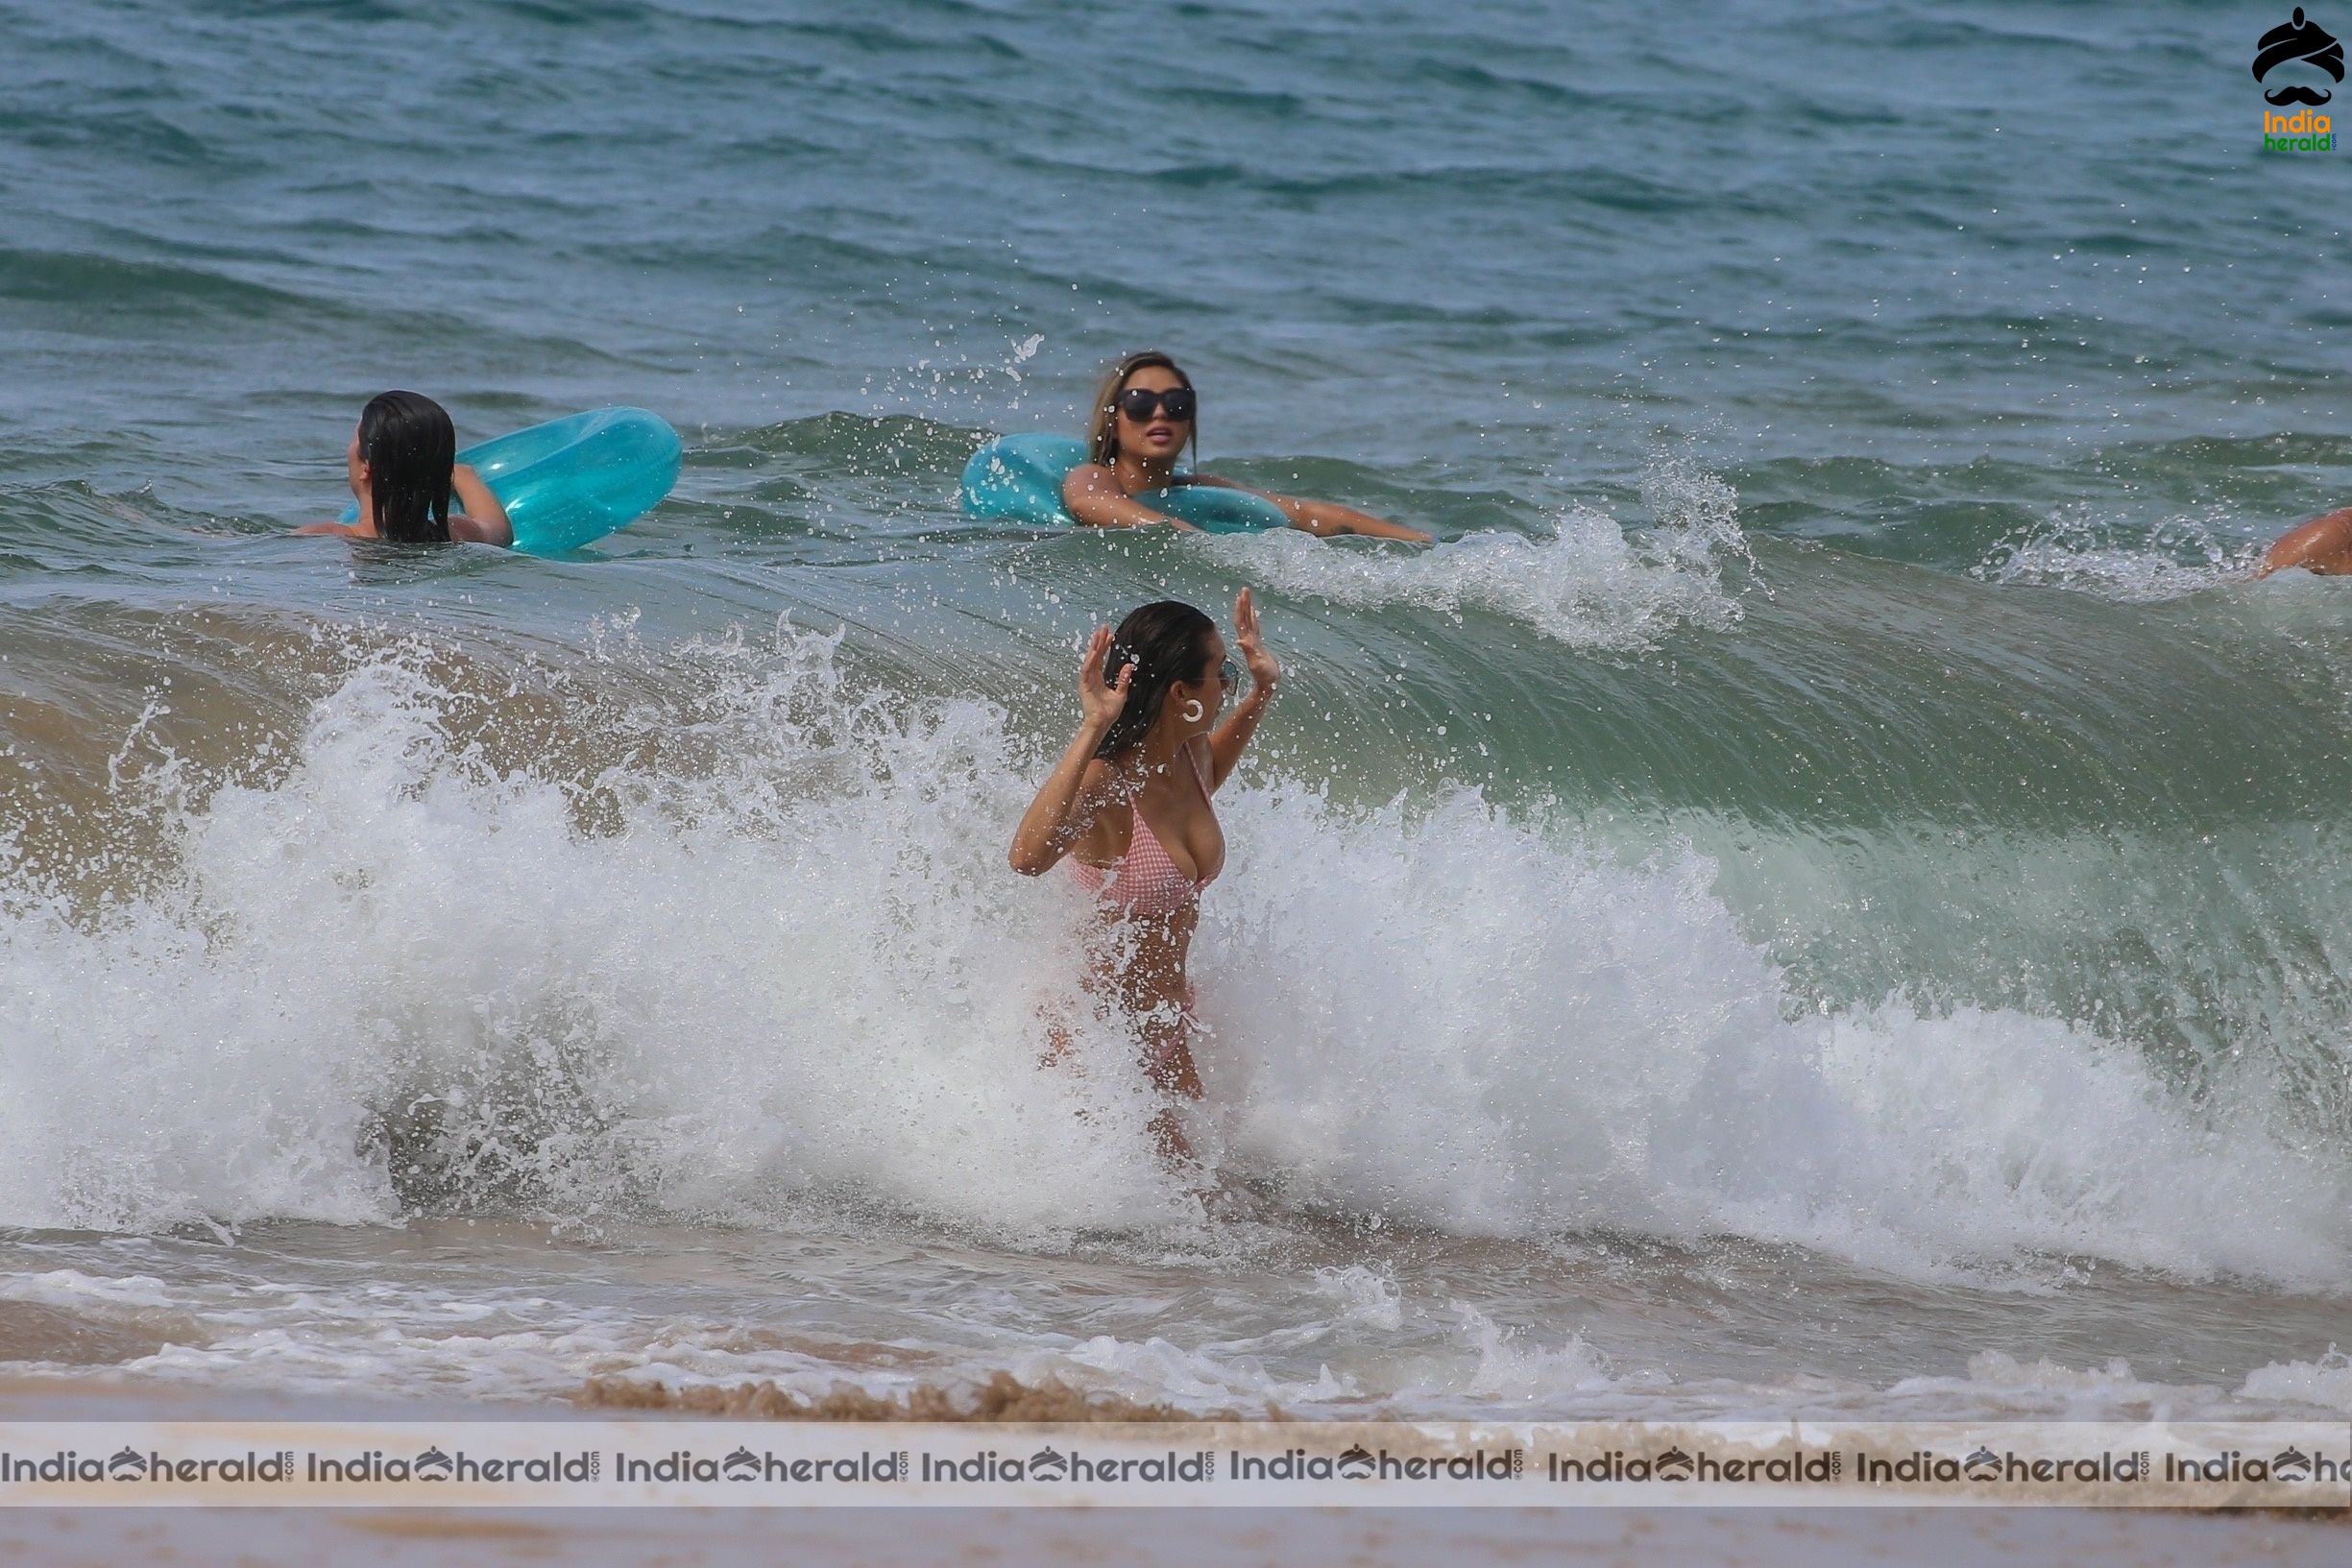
[1129, 806]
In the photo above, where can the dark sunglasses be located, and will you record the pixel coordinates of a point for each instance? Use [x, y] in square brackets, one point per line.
[1140, 404]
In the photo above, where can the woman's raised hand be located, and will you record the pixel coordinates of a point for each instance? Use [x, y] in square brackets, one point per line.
[1103, 701]
[1262, 670]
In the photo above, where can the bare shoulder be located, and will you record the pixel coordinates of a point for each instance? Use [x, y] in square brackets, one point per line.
[1098, 780]
[463, 527]
[1096, 819]
[336, 529]
[2323, 545]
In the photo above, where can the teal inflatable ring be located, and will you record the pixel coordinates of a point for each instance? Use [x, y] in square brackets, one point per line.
[575, 479]
[1019, 479]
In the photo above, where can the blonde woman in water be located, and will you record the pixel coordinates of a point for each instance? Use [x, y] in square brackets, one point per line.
[1146, 414]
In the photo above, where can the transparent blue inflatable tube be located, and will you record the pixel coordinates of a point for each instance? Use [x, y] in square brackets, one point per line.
[1019, 478]
[573, 480]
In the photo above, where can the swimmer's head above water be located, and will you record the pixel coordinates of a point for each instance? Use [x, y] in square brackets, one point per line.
[400, 462]
[402, 467]
[1146, 416]
[1181, 672]
[1146, 406]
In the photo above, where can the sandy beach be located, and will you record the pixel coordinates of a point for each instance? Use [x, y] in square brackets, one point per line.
[1758, 1538]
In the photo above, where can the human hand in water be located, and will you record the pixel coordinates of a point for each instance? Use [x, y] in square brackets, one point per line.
[1102, 700]
[1262, 670]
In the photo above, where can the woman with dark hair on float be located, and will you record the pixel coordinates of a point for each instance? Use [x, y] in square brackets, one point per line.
[402, 465]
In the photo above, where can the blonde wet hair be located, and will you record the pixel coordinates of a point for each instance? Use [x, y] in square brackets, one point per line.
[1102, 433]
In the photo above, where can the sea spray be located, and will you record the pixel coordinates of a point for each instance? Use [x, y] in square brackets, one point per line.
[1583, 582]
[397, 978]
[1506, 1034]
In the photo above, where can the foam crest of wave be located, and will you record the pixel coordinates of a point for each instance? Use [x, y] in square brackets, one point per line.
[2088, 554]
[396, 976]
[1457, 1019]
[392, 977]
[1587, 583]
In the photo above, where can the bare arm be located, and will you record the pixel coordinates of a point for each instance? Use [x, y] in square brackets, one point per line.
[1066, 802]
[484, 520]
[479, 518]
[1229, 739]
[1093, 496]
[1323, 519]
[2322, 545]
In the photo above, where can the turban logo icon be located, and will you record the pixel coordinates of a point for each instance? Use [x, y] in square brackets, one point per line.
[2306, 42]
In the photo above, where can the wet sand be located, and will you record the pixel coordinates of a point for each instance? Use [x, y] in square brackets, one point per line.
[1281, 1538]
[1178, 1539]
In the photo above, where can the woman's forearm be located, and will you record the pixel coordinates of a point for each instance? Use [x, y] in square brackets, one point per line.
[1130, 515]
[1092, 497]
[1323, 519]
[1046, 828]
[1229, 739]
[477, 501]
[2322, 545]
[1364, 523]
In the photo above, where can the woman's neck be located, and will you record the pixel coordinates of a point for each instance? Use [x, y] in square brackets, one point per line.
[1143, 472]
[1154, 756]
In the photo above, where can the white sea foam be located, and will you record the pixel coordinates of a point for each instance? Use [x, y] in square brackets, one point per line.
[1365, 1297]
[764, 984]
[2327, 1382]
[1588, 582]
[1513, 1366]
[802, 972]
[77, 1287]
[1501, 1035]
[2052, 1389]
[384, 1335]
[2086, 554]
[1159, 1369]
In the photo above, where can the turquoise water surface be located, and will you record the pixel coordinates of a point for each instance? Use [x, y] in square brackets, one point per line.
[1826, 889]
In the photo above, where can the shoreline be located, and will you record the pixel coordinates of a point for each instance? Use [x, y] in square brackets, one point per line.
[687, 1536]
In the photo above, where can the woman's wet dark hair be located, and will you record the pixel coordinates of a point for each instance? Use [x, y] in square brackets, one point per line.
[409, 445]
[1167, 641]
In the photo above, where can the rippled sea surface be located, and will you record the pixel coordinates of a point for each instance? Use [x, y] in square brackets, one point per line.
[1825, 891]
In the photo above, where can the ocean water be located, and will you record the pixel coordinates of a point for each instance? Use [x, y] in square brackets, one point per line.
[1825, 892]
